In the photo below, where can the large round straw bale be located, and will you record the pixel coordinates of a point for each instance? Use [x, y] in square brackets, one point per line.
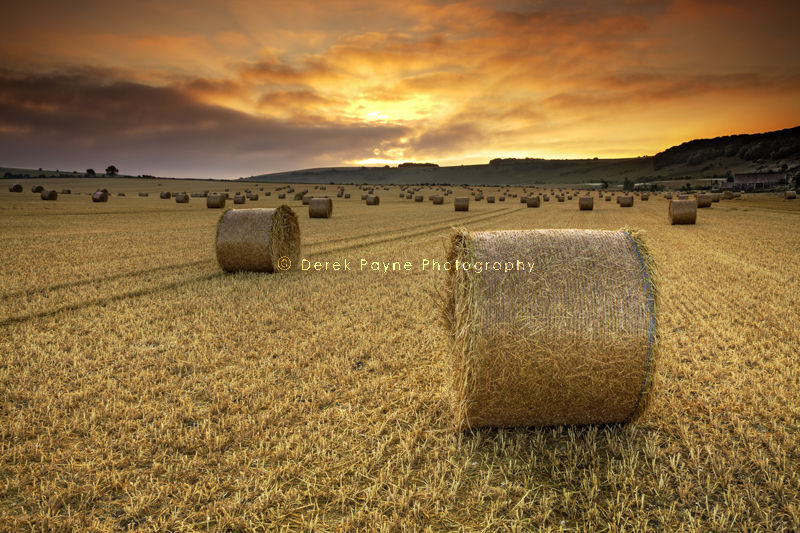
[569, 341]
[306, 199]
[165, 195]
[347, 195]
[586, 203]
[144, 194]
[253, 196]
[625, 201]
[716, 197]
[560, 198]
[438, 200]
[703, 200]
[419, 198]
[682, 211]
[215, 201]
[402, 195]
[461, 203]
[267, 193]
[239, 199]
[100, 196]
[790, 195]
[502, 198]
[364, 196]
[607, 198]
[37, 188]
[258, 240]
[49, 195]
[533, 201]
[490, 199]
[523, 200]
[546, 197]
[181, 198]
[320, 208]
[373, 199]
[645, 196]
[15, 187]
[727, 195]
[668, 195]
[282, 195]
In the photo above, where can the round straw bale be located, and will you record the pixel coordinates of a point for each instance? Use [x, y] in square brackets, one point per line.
[607, 198]
[625, 201]
[727, 195]
[490, 199]
[215, 200]
[645, 196]
[364, 196]
[37, 188]
[66, 191]
[165, 195]
[253, 196]
[239, 199]
[144, 194]
[560, 198]
[570, 341]
[320, 208]
[258, 240]
[347, 195]
[682, 211]
[703, 200]
[16, 187]
[523, 200]
[267, 193]
[461, 203]
[100, 196]
[120, 194]
[716, 197]
[668, 195]
[49, 195]
[282, 195]
[438, 200]
[790, 195]
[373, 199]
[569, 197]
[533, 201]
[683, 197]
[402, 195]
[419, 198]
[502, 198]
[546, 197]
[585, 203]
[181, 198]
[306, 199]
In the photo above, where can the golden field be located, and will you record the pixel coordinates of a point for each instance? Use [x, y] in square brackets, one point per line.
[143, 388]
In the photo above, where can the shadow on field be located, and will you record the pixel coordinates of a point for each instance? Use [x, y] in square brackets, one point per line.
[109, 299]
[72, 284]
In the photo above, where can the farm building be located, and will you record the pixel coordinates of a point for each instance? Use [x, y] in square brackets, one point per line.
[754, 181]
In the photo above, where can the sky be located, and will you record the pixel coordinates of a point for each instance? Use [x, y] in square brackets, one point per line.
[210, 89]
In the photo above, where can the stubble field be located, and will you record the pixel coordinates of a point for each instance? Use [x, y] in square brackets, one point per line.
[142, 388]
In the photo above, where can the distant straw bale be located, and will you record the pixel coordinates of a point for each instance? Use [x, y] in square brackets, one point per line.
[373, 199]
[682, 211]
[165, 195]
[215, 200]
[15, 187]
[100, 196]
[461, 203]
[703, 200]
[790, 195]
[586, 203]
[533, 201]
[320, 208]
[49, 195]
[625, 201]
[258, 240]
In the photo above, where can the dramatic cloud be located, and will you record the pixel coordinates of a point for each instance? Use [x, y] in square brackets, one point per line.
[206, 88]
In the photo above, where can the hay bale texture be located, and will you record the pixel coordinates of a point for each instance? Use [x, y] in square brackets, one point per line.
[461, 203]
[373, 199]
[165, 195]
[625, 201]
[320, 208]
[790, 195]
[571, 341]
[682, 211]
[16, 187]
[49, 195]
[586, 203]
[100, 196]
[533, 201]
[181, 198]
[258, 240]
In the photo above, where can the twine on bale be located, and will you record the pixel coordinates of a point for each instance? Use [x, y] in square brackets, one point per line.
[570, 341]
[258, 240]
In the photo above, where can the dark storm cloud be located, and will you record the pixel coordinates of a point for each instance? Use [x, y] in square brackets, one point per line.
[71, 121]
